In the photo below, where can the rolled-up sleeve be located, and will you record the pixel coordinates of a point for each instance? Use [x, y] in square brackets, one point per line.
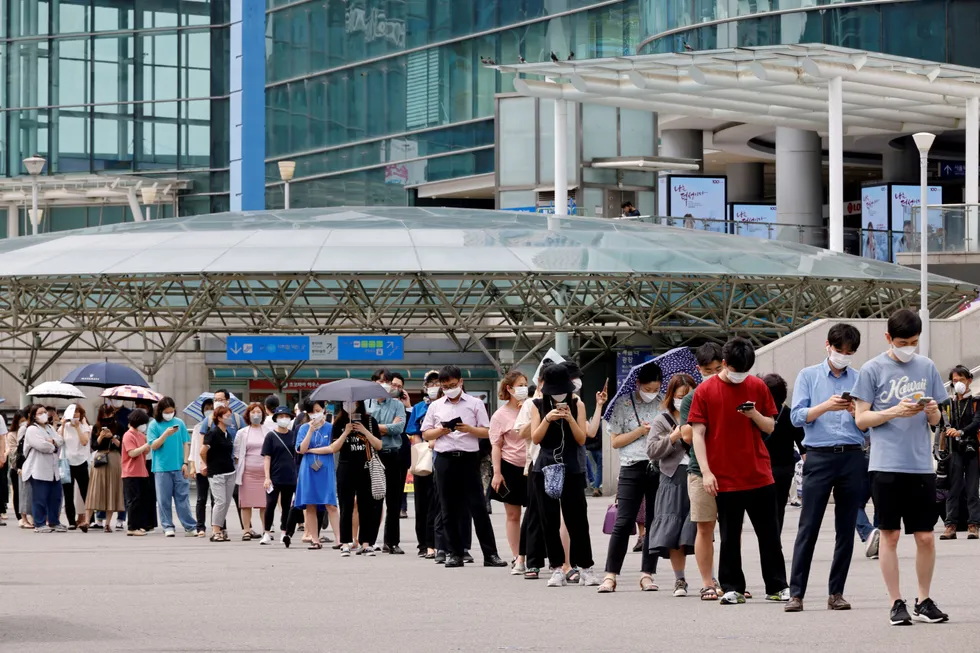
[801, 400]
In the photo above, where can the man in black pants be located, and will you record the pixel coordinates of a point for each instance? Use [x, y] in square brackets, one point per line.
[390, 414]
[456, 422]
[834, 463]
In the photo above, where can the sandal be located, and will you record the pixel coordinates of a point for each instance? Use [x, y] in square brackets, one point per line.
[108, 529]
[747, 594]
[709, 594]
[573, 575]
[215, 537]
[315, 546]
[531, 573]
[247, 537]
[647, 584]
[607, 586]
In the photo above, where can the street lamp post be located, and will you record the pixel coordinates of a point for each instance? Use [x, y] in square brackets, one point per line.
[35, 166]
[286, 171]
[923, 141]
[149, 195]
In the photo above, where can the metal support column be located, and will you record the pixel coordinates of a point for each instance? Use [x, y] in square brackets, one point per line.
[836, 161]
[972, 214]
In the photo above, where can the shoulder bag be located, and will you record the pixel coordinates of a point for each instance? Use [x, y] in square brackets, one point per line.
[376, 470]
[421, 459]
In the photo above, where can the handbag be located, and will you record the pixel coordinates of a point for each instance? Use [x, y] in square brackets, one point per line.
[376, 470]
[421, 459]
[609, 521]
[554, 474]
[64, 468]
[101, 459]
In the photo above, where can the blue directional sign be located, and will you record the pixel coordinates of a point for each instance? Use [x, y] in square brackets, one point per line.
[370, 348]
[268, 348]
[949, 169]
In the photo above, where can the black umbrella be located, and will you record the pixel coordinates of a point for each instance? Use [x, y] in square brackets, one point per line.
[105, 375]
[349, 390]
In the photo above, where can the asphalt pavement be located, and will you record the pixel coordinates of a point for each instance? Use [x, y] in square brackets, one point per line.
[108, 592]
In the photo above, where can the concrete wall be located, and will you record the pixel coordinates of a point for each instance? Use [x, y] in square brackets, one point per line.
[954, 342]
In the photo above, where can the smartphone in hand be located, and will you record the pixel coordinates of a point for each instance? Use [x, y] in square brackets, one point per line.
[846, 396]
[745, 407]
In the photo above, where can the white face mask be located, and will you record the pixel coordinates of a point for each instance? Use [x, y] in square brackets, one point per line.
[577, 384]
[318, 418]
[677, 403]
[42, 418]
[116, 403]
[387, 387]
[208, 413]
[453, 393]
[838, 360]
[283, 422]
[648, 397]
[737, 377]
[519, 393]
[219, 404]
[141, 428]
[904, 354]
[168, 416]
[349, 407]
[256, 418]
[432, 392]
[959, 388]
[559, 398]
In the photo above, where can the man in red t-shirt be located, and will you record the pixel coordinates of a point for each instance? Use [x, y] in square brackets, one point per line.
[729, 414]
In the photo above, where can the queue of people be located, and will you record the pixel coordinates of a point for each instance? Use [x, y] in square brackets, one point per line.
[699, 447]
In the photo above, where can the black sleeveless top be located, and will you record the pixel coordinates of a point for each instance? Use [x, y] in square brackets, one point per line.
[559, 432]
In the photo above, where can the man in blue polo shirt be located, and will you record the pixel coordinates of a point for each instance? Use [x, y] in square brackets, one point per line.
[835, 462]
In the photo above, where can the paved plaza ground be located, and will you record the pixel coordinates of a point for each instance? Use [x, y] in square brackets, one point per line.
[102, 592]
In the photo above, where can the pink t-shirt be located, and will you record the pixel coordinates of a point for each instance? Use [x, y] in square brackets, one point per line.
[133, 467]
[513, 447]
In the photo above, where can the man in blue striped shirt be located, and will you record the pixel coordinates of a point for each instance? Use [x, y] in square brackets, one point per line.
[834, 462]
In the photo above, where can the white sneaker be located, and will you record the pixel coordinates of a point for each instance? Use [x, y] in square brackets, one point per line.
[588, 578]
[170, 533]
[267, 539]
[871, 547]
[377, 547]
[557, 578]
[518, 569]
[345, 551]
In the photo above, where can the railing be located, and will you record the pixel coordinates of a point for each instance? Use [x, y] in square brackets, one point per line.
[952, 228]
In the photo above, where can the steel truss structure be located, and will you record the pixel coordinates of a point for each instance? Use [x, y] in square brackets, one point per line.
[148, 318]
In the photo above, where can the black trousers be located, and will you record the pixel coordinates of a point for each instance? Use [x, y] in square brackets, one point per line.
[14, 482]
[426, 508]
[5, 491]
[79, 476]
[783, 475]
[139, 507]
[760, 504]
[153, 496]
[460, 490]
[354, 481]
[844, 475]
[964, 473]
[284, 495]
[203, 491]
[395, 471]
[532, 545]
[439, 523]
[636, 482]
[573, 508]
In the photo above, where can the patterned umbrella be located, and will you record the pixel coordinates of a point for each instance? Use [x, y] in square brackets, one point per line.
[56, 390]
[193, 409]
[132, 392]
[675, 361]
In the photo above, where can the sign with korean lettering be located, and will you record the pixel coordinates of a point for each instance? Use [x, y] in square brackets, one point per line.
[315, 348]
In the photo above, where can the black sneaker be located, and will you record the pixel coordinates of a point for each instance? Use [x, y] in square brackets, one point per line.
[467, 557]
[928, 612]
[900, 614]
[440, 557]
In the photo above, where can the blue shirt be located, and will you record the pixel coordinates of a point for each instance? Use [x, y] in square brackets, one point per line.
[386, 412]
[902, 444]
[170, 456]
[815, 385]
[414, 425]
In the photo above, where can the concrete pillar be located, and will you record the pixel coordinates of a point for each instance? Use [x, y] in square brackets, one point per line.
[900, 165]
[746, 181]
[683, 144]
[799, 185]
[13, 221]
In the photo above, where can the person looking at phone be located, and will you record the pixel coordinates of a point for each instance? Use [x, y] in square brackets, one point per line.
[508, 455]
[105, 491]
[629, 426]
[171, 446]
[135, 475]
[362, 439]
[390, 415]
[963, 423]
[76, 432]
[834, 463]
[729, 414]
[455, 423]
[218, 463]
[894, 399]
[426, 502]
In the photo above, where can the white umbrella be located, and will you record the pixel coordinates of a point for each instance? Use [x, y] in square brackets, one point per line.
[56, 390]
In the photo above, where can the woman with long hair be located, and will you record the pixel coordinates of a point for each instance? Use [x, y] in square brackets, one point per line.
[250, 468]
[76, 433]
[16, 482]
[105, 486]
[508, 455]
[672, 533]
[362, 438]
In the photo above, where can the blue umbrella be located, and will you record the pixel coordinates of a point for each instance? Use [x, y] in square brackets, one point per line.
[193, 409]
[676, 361]
[105, 375]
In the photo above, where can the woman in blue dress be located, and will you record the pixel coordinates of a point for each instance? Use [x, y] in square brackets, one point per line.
[316, 485]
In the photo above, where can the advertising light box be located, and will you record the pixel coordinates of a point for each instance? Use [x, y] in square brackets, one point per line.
[702, 198]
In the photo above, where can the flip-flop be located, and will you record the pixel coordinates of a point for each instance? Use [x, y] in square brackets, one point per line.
[315, 546]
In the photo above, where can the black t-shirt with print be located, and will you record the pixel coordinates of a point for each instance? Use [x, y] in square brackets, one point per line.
[354, 448]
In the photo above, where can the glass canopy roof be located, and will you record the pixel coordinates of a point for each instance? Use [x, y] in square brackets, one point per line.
[422, 240]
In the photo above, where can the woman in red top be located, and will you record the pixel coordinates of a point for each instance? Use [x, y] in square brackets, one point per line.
[135, 477]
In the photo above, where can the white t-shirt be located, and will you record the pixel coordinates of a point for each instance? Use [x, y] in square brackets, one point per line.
[77, 453]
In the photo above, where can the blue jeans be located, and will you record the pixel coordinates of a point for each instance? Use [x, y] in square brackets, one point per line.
[174, 489]
[47, 502]
[593, 463]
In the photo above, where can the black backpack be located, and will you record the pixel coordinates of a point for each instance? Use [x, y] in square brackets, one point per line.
[21, 458]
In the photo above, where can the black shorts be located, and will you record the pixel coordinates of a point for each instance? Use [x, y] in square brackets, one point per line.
[908, 498]
[516, 483]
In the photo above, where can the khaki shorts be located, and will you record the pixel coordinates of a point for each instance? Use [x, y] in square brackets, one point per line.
[703, 507]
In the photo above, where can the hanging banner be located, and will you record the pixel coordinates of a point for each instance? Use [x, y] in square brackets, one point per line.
[874, 220]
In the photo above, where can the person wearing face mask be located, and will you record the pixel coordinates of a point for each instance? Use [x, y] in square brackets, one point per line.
[963, 423]
[834, 464]
[201, 479]
[250, 469]
[629, 426]
[316, 484]
[895, 398]
[105, 492]
[390, 415]
[41, 468]
[218, 463]
[729, 414]
[170, 444]
[278, 453]
[508, 456]
[671, 532]
[426, 504]
[222, 398]
[362, 437]
[76, 433]
[135, 477]
[782, 445]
